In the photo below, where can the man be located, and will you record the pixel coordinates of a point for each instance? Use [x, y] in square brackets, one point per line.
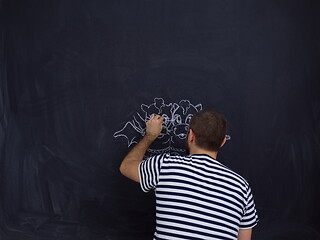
[196, 196]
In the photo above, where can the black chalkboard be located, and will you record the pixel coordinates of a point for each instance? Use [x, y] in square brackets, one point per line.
[79, 77]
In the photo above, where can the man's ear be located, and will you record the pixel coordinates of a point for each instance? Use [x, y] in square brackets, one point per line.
[223, 142]
[191, 136]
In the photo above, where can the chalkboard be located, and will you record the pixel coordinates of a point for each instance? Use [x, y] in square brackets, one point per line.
[78, 79]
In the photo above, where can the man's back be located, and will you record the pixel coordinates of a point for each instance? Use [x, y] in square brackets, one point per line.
[197, 197]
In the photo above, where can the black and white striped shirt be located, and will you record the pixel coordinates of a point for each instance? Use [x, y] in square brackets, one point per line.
[197, 197]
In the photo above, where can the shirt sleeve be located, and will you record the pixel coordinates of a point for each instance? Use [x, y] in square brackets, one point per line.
[149, 171]
[250, 217]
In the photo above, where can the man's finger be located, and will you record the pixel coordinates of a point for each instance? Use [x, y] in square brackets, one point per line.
[155, 116]
[152, 116]
[160, 118]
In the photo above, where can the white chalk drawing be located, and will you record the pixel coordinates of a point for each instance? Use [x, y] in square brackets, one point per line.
[175, 125]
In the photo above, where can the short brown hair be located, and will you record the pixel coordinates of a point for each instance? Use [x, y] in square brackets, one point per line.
[209, 128]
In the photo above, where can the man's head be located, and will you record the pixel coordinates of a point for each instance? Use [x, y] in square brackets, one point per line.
[209, 130]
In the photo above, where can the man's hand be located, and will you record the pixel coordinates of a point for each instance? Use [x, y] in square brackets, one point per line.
[130, 164]
[154, 126]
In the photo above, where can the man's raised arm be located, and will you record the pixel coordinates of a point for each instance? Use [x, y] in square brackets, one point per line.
[129, 165]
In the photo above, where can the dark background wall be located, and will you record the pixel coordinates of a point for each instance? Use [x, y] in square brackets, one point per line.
[74, 72]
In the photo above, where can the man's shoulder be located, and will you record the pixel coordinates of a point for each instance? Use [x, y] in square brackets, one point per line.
[222, 169]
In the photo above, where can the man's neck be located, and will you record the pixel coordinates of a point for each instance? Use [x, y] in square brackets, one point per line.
[203, 151]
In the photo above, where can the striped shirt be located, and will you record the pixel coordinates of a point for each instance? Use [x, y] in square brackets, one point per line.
[197, 197]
